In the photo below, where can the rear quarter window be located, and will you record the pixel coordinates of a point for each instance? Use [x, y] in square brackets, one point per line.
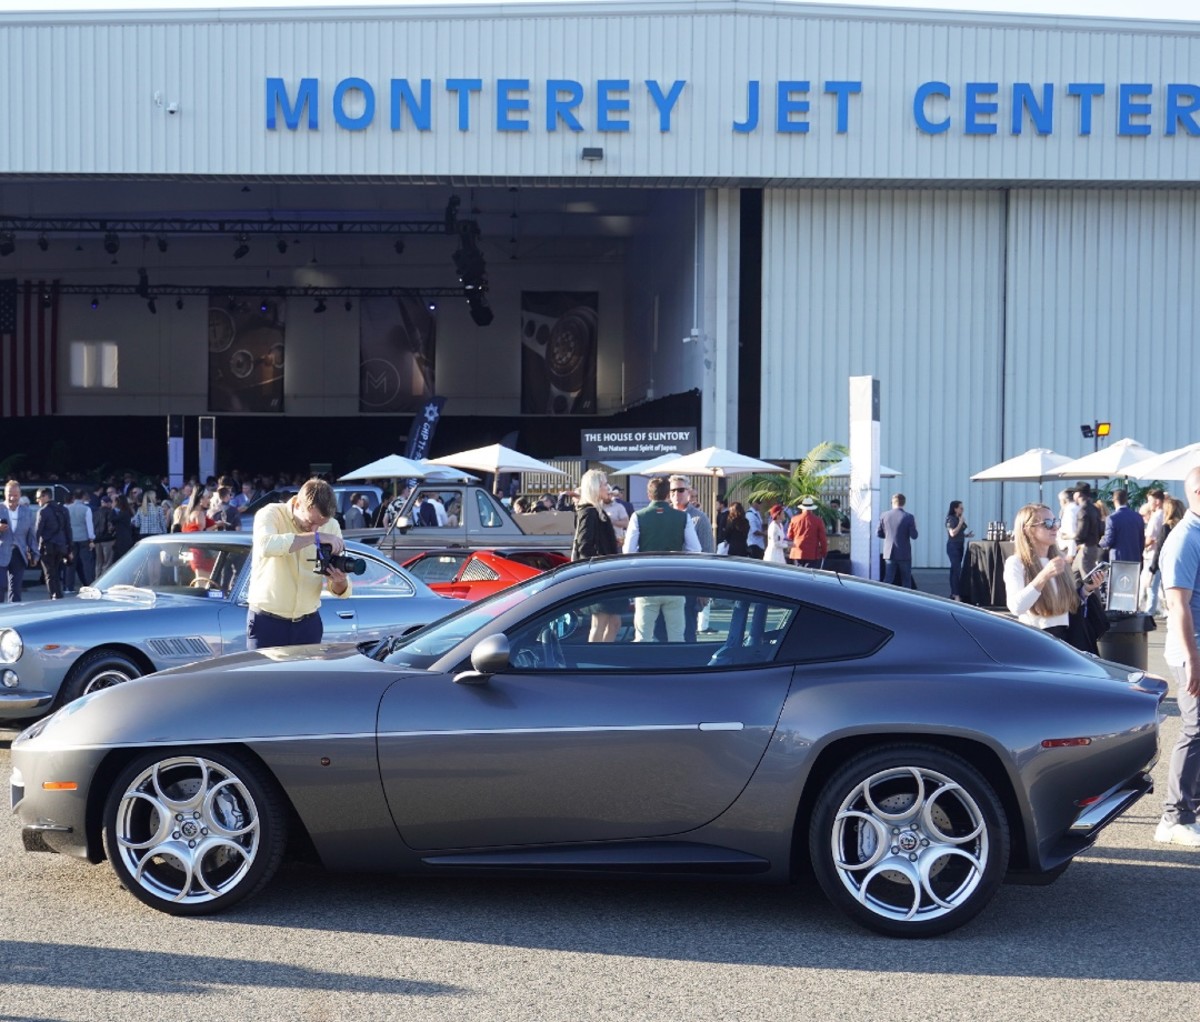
[818, 635]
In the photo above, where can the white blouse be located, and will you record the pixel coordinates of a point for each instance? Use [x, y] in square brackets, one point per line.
[1021, 596]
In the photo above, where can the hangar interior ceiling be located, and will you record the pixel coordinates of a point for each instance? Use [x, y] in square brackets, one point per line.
[635, 248]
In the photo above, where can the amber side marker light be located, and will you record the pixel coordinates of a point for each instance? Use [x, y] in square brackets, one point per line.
[59, 786]
[1064, 743]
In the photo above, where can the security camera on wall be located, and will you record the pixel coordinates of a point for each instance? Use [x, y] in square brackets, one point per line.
[172, 108]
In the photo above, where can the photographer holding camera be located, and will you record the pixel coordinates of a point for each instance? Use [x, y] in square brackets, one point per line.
[298, 547]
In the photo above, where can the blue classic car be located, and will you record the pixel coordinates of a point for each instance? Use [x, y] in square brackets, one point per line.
[175, 600]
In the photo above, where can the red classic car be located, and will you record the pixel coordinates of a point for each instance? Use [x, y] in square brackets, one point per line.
[473, 574]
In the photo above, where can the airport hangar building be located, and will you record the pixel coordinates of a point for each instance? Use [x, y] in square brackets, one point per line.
[746, 202]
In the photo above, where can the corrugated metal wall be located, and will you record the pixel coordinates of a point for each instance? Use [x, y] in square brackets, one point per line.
[995, 322]
[79, 93]
[903, 285]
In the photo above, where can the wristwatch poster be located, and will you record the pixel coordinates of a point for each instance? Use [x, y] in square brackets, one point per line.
[559, 331]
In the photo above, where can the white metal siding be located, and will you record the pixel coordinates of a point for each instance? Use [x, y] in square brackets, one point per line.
[78, 93]
[905, 286]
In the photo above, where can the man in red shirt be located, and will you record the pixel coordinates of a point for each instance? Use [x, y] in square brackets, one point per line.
[806, 533]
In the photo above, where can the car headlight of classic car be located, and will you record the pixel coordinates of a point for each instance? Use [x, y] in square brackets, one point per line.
[11, 646]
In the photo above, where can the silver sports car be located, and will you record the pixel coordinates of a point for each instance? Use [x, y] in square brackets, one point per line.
[173, 600]
[915, 751]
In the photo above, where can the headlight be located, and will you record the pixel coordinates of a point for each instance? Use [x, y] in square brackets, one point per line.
[11, 646]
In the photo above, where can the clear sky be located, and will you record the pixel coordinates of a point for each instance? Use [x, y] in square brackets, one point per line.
[1180, 10]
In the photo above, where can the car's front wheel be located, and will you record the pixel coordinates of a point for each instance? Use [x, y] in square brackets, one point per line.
[101, 668]
[909, 840]
[194, 833]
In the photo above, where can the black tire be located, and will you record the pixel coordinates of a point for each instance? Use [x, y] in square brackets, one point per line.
[101, 668]
[194, 831]
[909, 840]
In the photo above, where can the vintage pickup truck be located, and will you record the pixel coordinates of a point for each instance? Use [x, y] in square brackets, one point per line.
[475, 519]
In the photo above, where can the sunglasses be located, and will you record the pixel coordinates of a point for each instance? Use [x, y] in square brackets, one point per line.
[681, 489]
[1049, 523]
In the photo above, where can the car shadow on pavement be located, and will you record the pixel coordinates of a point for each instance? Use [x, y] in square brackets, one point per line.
[56, 965]
[1020, 934]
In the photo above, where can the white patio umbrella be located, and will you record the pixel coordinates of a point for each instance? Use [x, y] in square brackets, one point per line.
[642, 468]
[842, 468]
[494, 459]
[1168, 466]
[1114, 460]
[445, 474]
[393, 466]
[1034, 466]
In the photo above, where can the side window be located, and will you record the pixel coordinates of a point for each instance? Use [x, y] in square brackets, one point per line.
[489, 517]
[655, 628]
[380, 579]
[478, 571]
[820, 635]
[438, 567]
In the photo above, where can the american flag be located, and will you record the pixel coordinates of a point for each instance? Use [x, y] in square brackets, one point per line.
[28, 348]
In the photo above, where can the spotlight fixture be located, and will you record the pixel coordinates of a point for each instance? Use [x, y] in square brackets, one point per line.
[143, 285]
[243, 247]
[320, 305]
[112, 243]
[262, 307]
[399, 246]
[152, 307]
[281, 245]
[43, 242]
[433, 306]
[179, 303]
[480, 312]
[592, 154]
[349, 305]
[47, 299]
[95, 304]
[472, 272]
[162, 242]
[8, 243]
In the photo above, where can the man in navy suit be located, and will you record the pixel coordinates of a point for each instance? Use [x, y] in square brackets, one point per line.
[1124, 530]
[897, 529]
[17, 549]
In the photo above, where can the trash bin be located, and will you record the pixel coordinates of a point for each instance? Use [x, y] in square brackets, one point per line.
[1125, 641]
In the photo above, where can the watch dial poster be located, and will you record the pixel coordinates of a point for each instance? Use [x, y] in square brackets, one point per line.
[245, 353]
[397, 338]
[558, 352]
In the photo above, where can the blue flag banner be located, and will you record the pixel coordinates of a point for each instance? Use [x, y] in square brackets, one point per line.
[420, 433]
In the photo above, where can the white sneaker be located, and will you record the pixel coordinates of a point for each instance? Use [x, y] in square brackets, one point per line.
[1178, 833]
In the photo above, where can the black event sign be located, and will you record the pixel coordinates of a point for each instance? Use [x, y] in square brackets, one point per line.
[636, 444]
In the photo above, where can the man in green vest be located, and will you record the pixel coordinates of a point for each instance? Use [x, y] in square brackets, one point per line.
[660, 528]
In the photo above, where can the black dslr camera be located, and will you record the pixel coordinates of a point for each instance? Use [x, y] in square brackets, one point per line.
[327, 559]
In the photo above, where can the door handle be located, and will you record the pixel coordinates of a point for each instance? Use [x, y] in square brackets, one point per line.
[347, 614]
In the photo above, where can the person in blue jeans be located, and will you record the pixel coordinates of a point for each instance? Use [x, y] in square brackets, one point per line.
[957, 534]
[1179, 566]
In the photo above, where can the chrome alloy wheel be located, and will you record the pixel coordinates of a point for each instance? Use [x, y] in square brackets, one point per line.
[187, 830]
[107, 679]
[909, 843]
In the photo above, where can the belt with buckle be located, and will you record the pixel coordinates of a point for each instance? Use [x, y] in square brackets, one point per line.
[289, 620]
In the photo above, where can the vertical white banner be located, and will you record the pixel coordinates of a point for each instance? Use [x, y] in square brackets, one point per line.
[864, 476]
[208, 447]
[175, 450]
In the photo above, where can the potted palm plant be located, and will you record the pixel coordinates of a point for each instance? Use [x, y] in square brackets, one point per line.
[807, 479]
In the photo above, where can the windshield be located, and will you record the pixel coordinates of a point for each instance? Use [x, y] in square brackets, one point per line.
[187, 566]
[421, 649]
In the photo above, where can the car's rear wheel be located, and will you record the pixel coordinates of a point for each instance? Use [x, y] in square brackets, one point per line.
[909, 840]
[101, 668]
[194, 833]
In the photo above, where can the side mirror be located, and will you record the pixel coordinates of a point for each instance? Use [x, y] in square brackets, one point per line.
[487, 658]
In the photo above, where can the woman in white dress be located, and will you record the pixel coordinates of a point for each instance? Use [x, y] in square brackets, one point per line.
[777, 543]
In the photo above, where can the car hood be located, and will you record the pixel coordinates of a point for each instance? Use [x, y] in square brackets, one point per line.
[267, 695]
[24, 615]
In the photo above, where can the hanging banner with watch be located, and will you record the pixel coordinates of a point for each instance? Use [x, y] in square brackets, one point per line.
[245, 352]
[396, 348]
[558, 352]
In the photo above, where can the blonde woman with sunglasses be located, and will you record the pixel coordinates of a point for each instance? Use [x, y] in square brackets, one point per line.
[1041, 585]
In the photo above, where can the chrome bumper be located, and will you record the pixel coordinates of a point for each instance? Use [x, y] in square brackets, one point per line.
[1098, 815]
